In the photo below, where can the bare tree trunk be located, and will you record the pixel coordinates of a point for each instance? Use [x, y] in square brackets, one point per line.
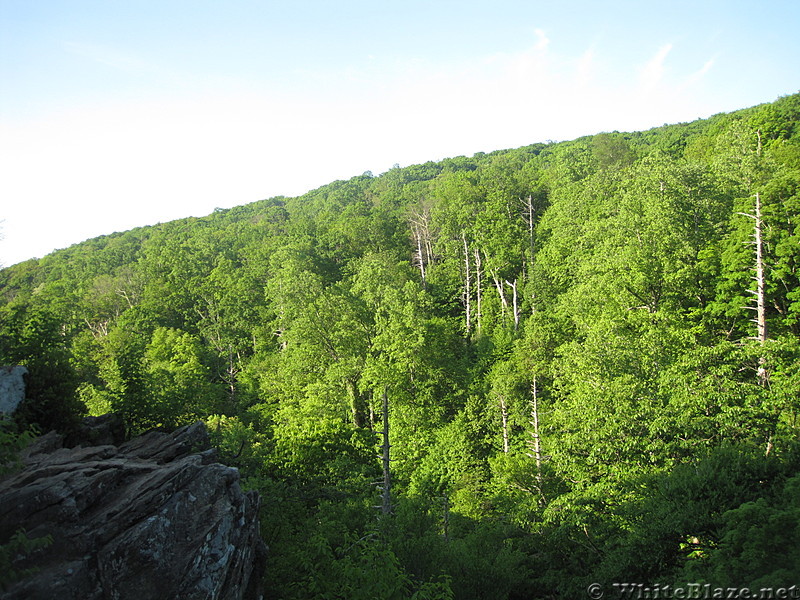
[99, 329]
[761, 303]
[478, 289]
[514, 303]
[501, 293]
[760, 292]
[420, 256]
[421, 229]
[122, 293]
[762, 334]
[529, 221]
[231, 374]
[467, 284]
[504, 417]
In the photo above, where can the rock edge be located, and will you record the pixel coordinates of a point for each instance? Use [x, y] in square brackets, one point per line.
[154, 517]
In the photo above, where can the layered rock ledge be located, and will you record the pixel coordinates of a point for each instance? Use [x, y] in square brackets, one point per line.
[154, 517]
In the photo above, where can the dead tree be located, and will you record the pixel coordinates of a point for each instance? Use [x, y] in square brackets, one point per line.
[504, 418]
[761, 303]
[760, 298]
[759, 294]
[478, 290]
[535, 441]
[529, 217]
[423, 238]
[514, 302]
[501, 294]
[467, 284]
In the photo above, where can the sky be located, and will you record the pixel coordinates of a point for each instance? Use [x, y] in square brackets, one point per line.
[115, 115]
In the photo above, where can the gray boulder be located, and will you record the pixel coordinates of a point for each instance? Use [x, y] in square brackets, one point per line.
[154, 517]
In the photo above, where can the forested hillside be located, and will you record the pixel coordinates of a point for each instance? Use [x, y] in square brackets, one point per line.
[585, 354]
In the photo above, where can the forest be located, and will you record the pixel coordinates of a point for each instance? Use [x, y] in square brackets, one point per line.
[505, 376]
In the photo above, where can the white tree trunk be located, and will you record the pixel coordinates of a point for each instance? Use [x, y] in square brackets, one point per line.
[761, 303]
[467, 284]
[501, 293]
[514, 303]
[478, 289]
[504, 417]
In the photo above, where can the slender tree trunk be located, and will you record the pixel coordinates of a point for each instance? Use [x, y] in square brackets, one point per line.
[761, 302]
[421, 229]
[501, 293]
[762, 334]
[420, 257]
[760, 292]
[514, 303]
[478, 289]
[761, 296]
[429, 249]
[504, 417]
[529, 220]
[231, 374]
[127, 298]
[467, 284]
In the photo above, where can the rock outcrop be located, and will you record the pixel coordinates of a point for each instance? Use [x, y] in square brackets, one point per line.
[154, 517]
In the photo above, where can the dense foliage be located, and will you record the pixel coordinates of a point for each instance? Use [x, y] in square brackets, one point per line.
[564, 334]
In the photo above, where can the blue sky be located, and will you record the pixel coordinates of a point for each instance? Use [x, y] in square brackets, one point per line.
[120, 114]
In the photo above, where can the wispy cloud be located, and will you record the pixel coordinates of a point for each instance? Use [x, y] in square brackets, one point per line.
[698, 75]
[653, 72]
